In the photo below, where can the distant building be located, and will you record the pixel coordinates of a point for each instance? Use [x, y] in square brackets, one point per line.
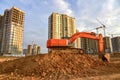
[1, 31]
[116, 44]
[89, 46]
[33, 50]
[107, 44]
[12, 31]
[25, 52]
[29, 50]
[38, 50]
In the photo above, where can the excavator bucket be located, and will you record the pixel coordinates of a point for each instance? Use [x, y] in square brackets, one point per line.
[105, 57]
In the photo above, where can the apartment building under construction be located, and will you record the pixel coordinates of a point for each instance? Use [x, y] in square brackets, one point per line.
[116, 44]
[89, 46]
[12, 34]
[61, 26]
[33, 49]
[107, 44]
[1, 30]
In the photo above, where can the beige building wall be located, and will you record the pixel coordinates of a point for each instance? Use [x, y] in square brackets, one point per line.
[13, 31]
[78, 41]
[55, 27]
[29, 50]
[61, 26]
[38, 50]
[34, 49]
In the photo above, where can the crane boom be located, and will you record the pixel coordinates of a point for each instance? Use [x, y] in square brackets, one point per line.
[113, 34]
[103, 26]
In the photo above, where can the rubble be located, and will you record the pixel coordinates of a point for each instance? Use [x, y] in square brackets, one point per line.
[53, 66]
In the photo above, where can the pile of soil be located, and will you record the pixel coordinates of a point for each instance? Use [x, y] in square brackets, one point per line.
[52, 66]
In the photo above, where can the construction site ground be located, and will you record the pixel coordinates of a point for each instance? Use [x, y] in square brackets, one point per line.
[59, 66]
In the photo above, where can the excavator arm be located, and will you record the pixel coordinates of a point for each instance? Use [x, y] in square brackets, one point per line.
[90, 36]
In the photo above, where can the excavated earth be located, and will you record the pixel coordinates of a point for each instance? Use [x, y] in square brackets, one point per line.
[59, 66]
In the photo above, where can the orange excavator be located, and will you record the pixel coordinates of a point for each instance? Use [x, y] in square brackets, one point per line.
[65, 44]
[62, 43]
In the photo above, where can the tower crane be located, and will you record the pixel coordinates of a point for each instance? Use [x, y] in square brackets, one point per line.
[113, 35]
[98, 28]
[103, 26]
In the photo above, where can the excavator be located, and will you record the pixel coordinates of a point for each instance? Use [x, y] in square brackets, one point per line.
[65, 45]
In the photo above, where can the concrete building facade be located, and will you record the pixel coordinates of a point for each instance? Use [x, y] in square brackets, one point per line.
[89, 46]
[78, 41]
[61, 26]
[25, 52]
[107, 44]
[29, 50]
[1, 30]
[13, 27]
[33, 50]
[116, 44]
[38, 50]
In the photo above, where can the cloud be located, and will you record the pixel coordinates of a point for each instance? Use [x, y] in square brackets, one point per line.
[106, 11]
[63, 7]
[110, 16]
[81, 26]
[110, 5]
[36, 18]
[85, 12]
[26, 2]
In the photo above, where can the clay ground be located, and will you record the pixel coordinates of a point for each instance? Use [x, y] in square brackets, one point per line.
[102, 71]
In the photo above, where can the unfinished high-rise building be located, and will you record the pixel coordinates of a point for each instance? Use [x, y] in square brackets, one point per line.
[1, 31]
[29, 50]
[12, 34]
[116, 44]
[107, 44]
[89, 45]
[61, 26]
[38, 50]
[33, 49]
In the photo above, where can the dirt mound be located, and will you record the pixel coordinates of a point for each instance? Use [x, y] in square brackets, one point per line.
[52, 66]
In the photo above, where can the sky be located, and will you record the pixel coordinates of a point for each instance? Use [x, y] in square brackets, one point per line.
[85, 13]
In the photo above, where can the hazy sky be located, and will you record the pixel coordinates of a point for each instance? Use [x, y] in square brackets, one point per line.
[84, 11]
